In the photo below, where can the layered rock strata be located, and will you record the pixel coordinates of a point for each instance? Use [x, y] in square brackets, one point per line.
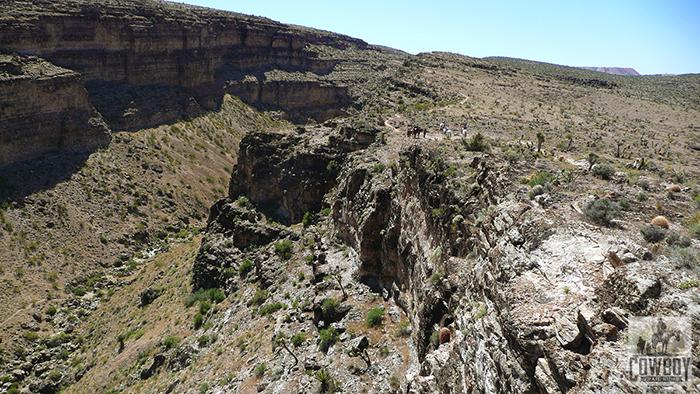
[44, 107]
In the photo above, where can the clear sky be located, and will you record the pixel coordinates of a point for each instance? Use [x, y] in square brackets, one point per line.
[651, 36]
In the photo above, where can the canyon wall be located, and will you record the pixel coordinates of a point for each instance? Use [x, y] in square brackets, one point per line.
[44, 107]
[146, 63]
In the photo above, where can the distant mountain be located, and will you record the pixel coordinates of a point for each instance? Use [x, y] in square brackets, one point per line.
[613, 70]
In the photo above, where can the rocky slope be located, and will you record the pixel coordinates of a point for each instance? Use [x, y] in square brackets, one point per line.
[346, 255]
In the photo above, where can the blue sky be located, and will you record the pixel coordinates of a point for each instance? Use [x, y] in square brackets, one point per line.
[653, 37]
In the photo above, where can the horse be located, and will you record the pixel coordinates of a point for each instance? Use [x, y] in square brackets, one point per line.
[414, 131]
[663, 338]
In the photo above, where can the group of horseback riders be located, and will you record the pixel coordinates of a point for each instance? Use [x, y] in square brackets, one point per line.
[414, 131]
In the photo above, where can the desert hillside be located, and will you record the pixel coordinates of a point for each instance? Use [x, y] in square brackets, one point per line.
[239, 206]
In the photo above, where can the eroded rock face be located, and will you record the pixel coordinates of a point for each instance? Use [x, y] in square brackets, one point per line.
[149, 62]
[44, 107]
[531, 300]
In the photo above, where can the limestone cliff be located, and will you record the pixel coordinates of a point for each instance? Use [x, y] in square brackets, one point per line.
[44, 107]
[148, 62]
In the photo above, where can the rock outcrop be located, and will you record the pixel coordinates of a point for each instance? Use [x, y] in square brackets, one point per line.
[44, 107]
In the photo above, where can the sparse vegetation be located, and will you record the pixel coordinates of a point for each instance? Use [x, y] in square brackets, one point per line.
[375, 316]
[602, 211]
[284, 249]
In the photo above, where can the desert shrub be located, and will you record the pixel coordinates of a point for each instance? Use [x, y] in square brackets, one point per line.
[379, 167]
[198, 320]
[328, 383]
[271, 308]
[204, 307]
[245, 268]
[284, 249]
[30, 335]
[404, 329]
[543, 178]
[332, 166]
[328, 337]
[330, 306]
[694, 226]
[196, 297]
[675, 239]
[603, 171]
[202, 340]
[624, 203]
[259, 298]
[260, 370]
[641, 196]
[306, 220]
[216, 295]
[171, 342]
[601, 211]
[435, 339]
[298, 339]
[51, 310]
[652, 233]
[55, 375]
[477, 143]
[644, 184]
[374, 317]
[687, 258]
[56, 340]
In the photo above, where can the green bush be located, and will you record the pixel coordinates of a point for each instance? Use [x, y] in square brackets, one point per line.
[259, 298]
[216, 295]
[245, 268]
[601, 211]
[30, 335]
[204, 307]
[298, 339]
[332, 166]
[477, 143]
[374, 317]
[329, 337]
[198, 320]
[543, 178]
[55, 375]
[272, 308]
[330, 305]
[603, 171]
[284, 249]
[51, 310]
[171, 342]
[328, 383]
[641, 196]
[653, 234]
[195, 297]
[306, 220]
[260, 370]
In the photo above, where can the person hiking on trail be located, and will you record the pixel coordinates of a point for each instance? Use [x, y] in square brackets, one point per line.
[447, 130]
[464, 131]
